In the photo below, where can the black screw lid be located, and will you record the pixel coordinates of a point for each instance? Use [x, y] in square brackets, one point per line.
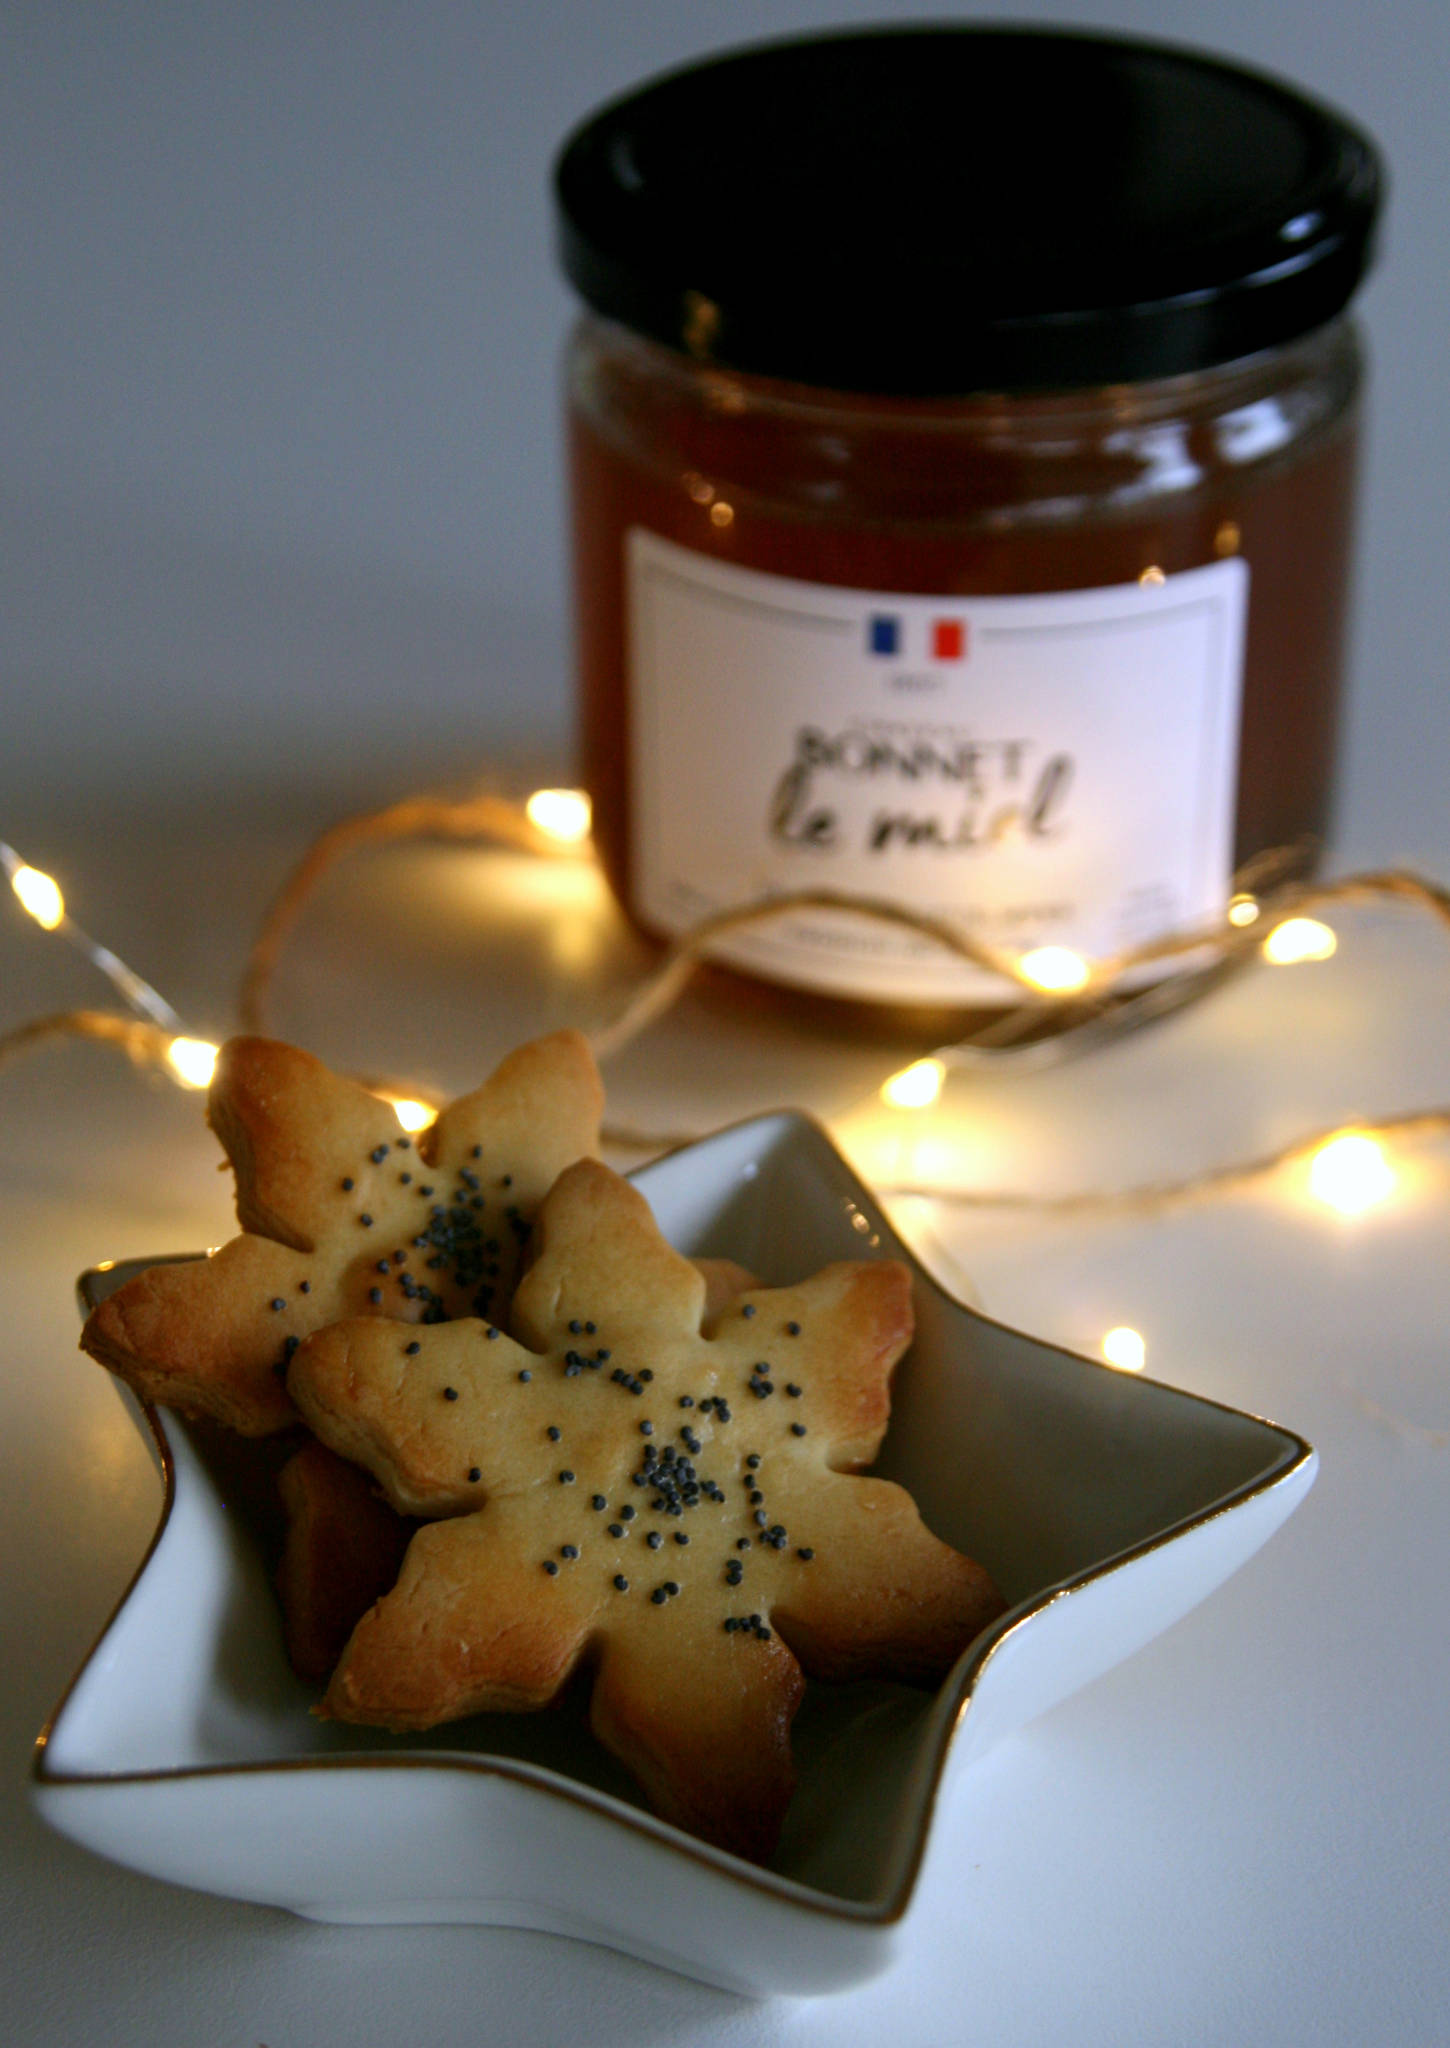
[947, 209]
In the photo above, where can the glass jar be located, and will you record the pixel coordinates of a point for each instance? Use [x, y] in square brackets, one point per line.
[1031, 618]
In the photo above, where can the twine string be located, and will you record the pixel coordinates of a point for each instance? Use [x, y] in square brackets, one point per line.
[1084, 1020]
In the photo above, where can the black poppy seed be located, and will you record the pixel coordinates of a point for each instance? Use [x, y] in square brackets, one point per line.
[760, 1518]
[551, 1568]
[730, 1624]
[792, 1329]
[590, 1329]
[654, 1539]
[526, 1376]
[289, 1345]
[756, 1496]
[797, 1429]
[646, 1374]
[474, 1475]
[304, 1287]
[412, 1349]
[554, 1434]
[425, 1191]
[348, 1185]
[569, 1550]
[621, 1583]
[753, 1462]
[748, 1310]
[680, 1536]
[566, 1477]
[646, 1429]
[278, 1302]
[671, 1588]
[507, 1180]
[616, 1530]
[659, 1596]
[687, 1400]
[477, 1152]
[742, 1543]
[490, 1333]
[793, 1391]
[576, 1328]
[450, 1393]
[365, 1220]
[626, 1513]
[406, 1179]
[378, 1154]
[598, 1501]
[404, 1144]
[807, 1553]
[603, 1355]
[375, 1295]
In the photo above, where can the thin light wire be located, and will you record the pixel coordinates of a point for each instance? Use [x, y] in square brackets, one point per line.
[138, 994]
[1082, 1021]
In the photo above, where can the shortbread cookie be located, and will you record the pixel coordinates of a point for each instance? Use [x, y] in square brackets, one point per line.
[342, 1551]
[666, 1496]
[343, 1544]
[344, 1215]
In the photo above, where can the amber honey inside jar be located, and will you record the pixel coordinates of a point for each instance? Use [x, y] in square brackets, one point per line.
[962, 510]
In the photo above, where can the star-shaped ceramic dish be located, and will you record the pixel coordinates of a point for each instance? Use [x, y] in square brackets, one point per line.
[1105, 1506]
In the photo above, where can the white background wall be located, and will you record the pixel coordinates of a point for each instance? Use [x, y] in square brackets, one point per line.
[281, 496]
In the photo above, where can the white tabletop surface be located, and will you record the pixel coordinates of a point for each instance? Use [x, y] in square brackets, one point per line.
[279, 530]
[1239, 1834]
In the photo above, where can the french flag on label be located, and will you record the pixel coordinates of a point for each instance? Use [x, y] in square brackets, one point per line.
[946, 638]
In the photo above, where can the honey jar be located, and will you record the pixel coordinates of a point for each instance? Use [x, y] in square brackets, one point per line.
[962, 431]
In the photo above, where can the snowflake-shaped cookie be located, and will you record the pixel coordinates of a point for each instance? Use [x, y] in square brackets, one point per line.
[665, 1498]
[344, 1215]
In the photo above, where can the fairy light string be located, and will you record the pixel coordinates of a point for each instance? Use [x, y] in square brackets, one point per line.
[1087, 1003]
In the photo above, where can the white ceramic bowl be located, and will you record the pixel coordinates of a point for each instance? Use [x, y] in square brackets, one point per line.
[1104, 1504]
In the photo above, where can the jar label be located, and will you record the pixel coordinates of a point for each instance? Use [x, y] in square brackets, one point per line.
[1051, 770]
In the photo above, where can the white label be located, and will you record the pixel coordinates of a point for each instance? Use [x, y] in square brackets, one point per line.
[1051, 770]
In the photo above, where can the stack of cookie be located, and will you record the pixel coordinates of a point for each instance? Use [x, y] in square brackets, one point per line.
[535, 1443]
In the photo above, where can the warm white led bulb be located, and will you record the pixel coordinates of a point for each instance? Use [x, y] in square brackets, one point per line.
[40, 896]
[413, 1116]
[560, 814]
[916, 1086]
[1243, 910]
[192, 1061]
[1125, 1349]
[1351, 1173]
[1299, 938]
[1055, 969]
